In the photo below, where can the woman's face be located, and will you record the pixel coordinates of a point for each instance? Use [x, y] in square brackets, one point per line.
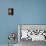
[10, 11]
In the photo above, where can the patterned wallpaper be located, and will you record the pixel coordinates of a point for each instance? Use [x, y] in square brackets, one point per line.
[33, 27]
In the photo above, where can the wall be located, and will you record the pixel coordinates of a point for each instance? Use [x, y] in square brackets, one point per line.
[26, 12]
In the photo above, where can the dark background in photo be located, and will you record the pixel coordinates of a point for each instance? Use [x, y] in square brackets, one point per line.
[10, 11]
